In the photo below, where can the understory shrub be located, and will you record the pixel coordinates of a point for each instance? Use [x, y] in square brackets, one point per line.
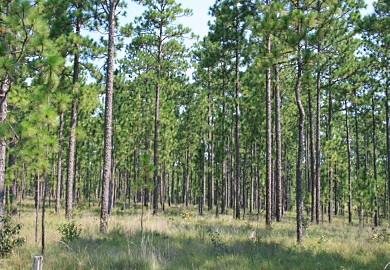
[70, 231]
[9, 236]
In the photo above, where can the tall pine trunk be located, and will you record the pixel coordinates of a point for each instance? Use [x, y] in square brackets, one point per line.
[237, 129]
[5, 87]
[311, 174]
[73, 125]
[268, 179]
[301, 130]
[330, 165]
[318, 148]
[376, 210]
[108, 118]
[360, 208]
[388, 146]
[156, 178]
[5, 84]
[59, 164]
[278, 137]
[349, 163]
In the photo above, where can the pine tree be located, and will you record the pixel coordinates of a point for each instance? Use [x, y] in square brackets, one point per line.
[110, 9]
[22, 32]
[156, 32]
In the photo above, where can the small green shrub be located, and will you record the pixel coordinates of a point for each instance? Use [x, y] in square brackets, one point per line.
[70, 231]
[306, 223]
[187, 216]
[324, 238]
[216, 239]
[9, 236]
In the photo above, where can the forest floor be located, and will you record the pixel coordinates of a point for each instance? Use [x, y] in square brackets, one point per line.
[181, 239]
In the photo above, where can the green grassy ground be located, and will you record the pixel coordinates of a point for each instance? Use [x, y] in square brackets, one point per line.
[180, 239]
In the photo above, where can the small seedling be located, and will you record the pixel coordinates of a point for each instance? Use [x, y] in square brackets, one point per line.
[70, 231]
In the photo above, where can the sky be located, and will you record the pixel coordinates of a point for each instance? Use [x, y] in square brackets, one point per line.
[200, 8]
[197, 22]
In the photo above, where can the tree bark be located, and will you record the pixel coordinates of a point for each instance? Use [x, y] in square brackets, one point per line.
[59, 163]
[210, 168]
[237, 129]
[317, 176]
[157, 122]
[301, 129]
[5, 86]
[349, 164]
[268, 208]
[36, 199]
[376, 215]
[387, 145]
[360, 210]
[108, 118]
[330, 165]
[73, 125]
[312, 163]
[278, 146]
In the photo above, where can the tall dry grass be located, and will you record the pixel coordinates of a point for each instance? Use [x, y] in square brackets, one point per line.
[180, 239]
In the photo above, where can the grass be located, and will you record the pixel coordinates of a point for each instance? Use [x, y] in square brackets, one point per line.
[180, 239]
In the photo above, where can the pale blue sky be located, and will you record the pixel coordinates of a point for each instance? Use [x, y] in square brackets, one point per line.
[200, 8]
[197, 22]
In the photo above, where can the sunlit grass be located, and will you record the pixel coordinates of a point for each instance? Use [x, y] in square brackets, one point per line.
[181, 239]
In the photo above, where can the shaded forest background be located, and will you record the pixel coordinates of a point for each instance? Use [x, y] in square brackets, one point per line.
[286, 109]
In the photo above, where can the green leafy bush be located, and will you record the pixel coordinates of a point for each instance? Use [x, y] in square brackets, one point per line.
[70, 231]
[216, 239]
[9, 236]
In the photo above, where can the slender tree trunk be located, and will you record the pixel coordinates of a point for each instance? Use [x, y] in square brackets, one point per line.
[71, 161]
[157, 124]
[330, 165]
[237, 129]
[173, 184]
[73, 125]
[209, 154]
[301, 129]
[44, 186]
[278, 137]
[223, 152]
[111, 198]
[59, 163]
[5, 86]
[376, 216]
[162, 190]
[37, 198]
[202, 180]
[349, 164]
[186, 178]
[268, 177]
[244, 191]
[311, 174]
[108, 118]
[229, 174]
[317, 193]
[253, 179]
[360, 208]
[204, 188]
[388, 146]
